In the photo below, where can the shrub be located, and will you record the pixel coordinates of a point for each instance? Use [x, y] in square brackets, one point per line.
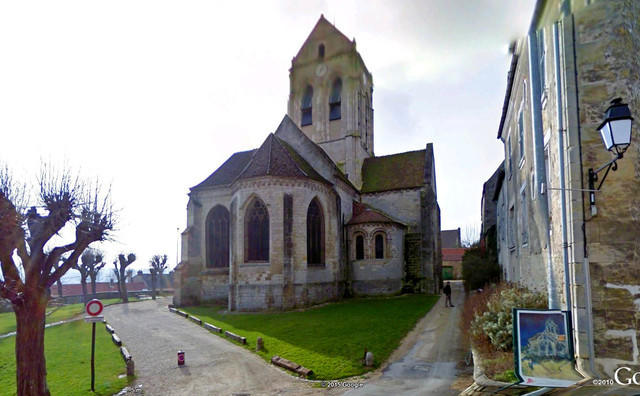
[493, 322]
[479, 268]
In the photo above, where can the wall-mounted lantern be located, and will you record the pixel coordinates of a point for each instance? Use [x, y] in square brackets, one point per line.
[616, 136]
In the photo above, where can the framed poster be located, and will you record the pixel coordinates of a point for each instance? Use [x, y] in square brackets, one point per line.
[543, 348]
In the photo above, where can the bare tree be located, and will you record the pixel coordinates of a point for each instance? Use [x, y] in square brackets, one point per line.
[84, 273]
[29, 262]
[471, 235]
[92, 263]
[121, 272]
[59, 281]
[159, 264]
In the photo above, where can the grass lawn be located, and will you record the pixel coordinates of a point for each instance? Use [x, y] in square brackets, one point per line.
[68, 353]
[8, 319]
[329, 340]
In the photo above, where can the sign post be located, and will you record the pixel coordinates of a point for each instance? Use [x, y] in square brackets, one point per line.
[93, 309]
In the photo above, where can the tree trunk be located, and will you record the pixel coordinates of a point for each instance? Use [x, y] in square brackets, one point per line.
[59, 288]
[93, 285]
[123, 287]
[31, 368]
[83, 282]
[153, 286]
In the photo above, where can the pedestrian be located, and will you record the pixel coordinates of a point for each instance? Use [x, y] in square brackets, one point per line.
[447, 293]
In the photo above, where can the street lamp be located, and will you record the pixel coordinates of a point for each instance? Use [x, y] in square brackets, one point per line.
[616, 136]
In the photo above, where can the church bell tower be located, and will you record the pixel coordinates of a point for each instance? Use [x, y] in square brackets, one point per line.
[331, 98]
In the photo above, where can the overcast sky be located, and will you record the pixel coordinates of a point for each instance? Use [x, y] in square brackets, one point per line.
[152, 96]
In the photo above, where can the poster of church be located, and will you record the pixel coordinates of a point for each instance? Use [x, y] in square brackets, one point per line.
[543, 349]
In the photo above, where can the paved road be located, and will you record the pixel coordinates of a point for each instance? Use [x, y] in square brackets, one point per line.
[214, 366]
[429, 366]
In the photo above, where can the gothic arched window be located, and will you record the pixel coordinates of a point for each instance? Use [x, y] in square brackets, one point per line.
[306, 105]
[335, 112]
[218, 237]
[379, 245]
[256, 231]
[315, 234]
[321, 51]
[359, 247]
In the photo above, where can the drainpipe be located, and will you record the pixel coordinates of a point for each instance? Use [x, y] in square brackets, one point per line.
[563, 202]
[538, 160]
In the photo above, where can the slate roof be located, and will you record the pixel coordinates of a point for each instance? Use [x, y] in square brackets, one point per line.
[366, 214]
[276, 158]
[450, 238]
[393, 172]
[228, 171]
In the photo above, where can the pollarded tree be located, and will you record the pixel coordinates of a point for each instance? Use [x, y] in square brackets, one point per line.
[92, 263]
[31, 244]
[159, 265]
[83, 277]
[121, 273]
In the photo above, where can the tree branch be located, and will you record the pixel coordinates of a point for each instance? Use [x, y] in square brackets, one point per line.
[69, 263]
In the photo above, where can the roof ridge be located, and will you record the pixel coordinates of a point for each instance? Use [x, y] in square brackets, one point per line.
[288, 153]
[269, 152]
[391, 155]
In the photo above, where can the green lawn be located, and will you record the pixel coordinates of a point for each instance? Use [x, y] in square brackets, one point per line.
[8, 319]
[68, 353]
[329, 340]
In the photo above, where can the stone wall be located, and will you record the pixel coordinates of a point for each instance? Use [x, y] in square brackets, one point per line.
[372, 276]
[607, 47]
[402, 205]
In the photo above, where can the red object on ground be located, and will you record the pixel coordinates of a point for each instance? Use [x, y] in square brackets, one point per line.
[94, 307]
[180, 358]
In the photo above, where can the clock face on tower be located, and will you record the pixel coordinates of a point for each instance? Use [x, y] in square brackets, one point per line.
[321, 70]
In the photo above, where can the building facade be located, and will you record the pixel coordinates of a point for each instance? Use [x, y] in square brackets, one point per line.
[577, 57]
[312, 215]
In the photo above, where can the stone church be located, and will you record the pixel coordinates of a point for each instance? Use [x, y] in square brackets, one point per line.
[312, 215]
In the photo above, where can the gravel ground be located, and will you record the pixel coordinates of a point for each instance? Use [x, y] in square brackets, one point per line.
[214, 366]
[428, 361]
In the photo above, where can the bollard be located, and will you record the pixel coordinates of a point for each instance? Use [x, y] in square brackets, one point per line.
[180, 358]
[130, 368]
[259, 344]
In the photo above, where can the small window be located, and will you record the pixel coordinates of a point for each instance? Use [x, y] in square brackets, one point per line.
[359, 247]
[542, 66]
[306, 105]
[321, 51]
[335, 111]
[524, 216]
[521, 133]
[379, 242]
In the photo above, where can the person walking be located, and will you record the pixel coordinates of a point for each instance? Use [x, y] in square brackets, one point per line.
[447, 293]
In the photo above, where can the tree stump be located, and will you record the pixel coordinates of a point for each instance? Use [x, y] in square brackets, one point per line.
[259, 344]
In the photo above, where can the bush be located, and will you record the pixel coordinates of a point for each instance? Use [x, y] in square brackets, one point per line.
[479, 268]
[493, 322]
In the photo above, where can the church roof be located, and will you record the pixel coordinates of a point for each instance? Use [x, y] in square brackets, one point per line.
[228, 171]
[276, 158]
[365, 214]
[322, 29]
[393, 172]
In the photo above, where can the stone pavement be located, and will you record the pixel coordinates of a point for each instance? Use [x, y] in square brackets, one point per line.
[584, 389]
[428, 362]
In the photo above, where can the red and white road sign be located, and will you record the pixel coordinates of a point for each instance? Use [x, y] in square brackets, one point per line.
[94, 307]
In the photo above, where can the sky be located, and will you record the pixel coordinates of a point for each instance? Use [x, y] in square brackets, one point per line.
[152, 96]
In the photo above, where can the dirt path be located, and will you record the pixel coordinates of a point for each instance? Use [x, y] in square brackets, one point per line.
[214, 366]
[426, 362]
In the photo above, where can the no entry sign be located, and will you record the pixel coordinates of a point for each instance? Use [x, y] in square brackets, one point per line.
[94, 307]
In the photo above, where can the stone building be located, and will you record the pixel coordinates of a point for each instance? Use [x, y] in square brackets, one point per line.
[577, 57]
[312, 214]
